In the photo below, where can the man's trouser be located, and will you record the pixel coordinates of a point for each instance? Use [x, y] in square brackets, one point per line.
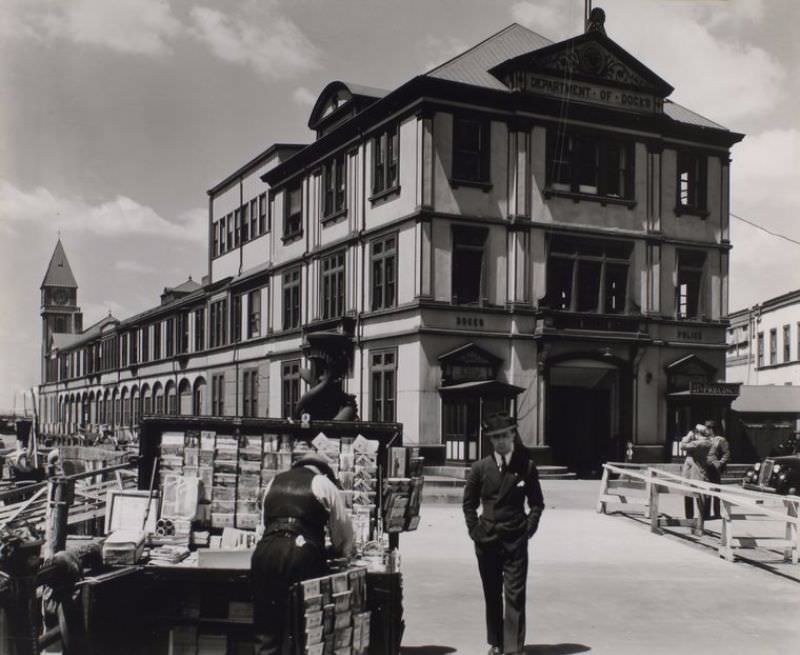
[277, 563]
[504, 574]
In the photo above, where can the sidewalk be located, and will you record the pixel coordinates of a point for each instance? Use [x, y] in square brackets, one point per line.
[600, 584]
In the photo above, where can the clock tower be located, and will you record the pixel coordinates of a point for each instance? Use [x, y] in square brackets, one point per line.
[59, 305]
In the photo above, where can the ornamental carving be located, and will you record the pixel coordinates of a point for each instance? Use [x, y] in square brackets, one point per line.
[594, 60]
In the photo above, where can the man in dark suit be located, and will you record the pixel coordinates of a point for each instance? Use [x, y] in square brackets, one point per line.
[501, 483]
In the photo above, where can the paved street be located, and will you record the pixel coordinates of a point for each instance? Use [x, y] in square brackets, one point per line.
[599, 584]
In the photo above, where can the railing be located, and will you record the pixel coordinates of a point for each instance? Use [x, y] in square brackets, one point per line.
[641, 487]
[90, 489]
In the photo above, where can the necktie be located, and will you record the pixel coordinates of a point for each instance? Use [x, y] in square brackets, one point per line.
[502, 463]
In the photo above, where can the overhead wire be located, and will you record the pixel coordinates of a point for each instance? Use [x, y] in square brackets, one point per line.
[764, 229]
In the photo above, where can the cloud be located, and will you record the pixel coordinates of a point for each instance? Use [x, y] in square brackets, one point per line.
[119, 217]
[547, 18]
[142, 27]
[764, 175]
[303, 97]
[272, 44]
[765, 191]
[439, 49]
[133, 267]
[714, 60]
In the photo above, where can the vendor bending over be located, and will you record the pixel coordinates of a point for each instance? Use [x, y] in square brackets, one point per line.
[298, 503]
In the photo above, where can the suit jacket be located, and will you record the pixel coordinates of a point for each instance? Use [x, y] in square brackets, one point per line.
[502, 498]
[720, 452]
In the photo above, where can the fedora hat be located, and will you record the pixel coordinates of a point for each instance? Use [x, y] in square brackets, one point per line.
[497, 424]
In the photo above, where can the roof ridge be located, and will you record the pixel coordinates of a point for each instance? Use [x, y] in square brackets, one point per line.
[507, 28]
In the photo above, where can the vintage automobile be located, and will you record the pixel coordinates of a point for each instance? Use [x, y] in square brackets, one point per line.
[780, 472]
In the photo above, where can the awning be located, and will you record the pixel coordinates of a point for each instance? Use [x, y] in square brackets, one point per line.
[476, 388]
[768, 399]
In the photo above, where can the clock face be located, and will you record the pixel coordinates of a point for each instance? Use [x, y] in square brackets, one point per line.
[60, 297]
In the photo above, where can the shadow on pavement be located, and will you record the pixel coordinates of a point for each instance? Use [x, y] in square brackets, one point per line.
[426, 650]
[555, 649]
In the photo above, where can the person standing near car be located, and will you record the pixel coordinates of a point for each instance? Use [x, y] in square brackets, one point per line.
[500, 484]
[696, 445]
[719, 455]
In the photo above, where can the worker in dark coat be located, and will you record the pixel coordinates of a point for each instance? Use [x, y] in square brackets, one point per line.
[298, 505]
[500, 484]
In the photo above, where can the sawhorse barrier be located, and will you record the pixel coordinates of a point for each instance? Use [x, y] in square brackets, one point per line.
[641, 487]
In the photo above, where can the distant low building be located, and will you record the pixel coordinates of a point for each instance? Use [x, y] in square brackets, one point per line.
[764, 356]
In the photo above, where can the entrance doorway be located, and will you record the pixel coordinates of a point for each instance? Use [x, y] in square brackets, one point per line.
[583, 415]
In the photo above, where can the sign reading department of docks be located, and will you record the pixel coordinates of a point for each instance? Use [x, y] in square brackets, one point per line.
[713, 389]
[530, 82]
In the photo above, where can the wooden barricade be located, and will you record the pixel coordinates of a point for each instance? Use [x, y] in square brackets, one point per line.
[629, 488]
[738, 507]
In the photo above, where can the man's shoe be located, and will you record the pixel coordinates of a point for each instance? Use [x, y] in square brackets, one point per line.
[495, 650]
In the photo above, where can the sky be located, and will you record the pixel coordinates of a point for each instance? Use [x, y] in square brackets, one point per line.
[116, 116]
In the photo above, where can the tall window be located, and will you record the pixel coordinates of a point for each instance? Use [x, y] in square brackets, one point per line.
[293, 214]
[123, 342]
[383, 254]
[262, 213]
[199, 329]
[218, 323]
[182, 332]
[773, 346]
[291, 299]
[470, 150]
[760, 350]
[334, 185]
[290, 386]
[218, 395]
[236, 318]
[145, 344]
[254, 227]
[787, 343]
[589, 164]
[245, 219]
[692, 181]
[157, 340]
[688, 298]
[222, 235]
[215, 242]
[383, 377]
[385, 160]
[585, 275]
[254, 313]
[250, 393]
[170, 337]
[229, 226]
[332, 284]
[135, 347]
[237, 222]
[469, 265]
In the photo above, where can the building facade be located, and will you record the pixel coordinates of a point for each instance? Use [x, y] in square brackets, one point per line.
[764, 342]
[764, 357]
[531, 226]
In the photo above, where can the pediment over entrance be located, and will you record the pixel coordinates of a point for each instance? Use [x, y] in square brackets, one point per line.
[690, 365]
[468, 362]
[588, 68]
